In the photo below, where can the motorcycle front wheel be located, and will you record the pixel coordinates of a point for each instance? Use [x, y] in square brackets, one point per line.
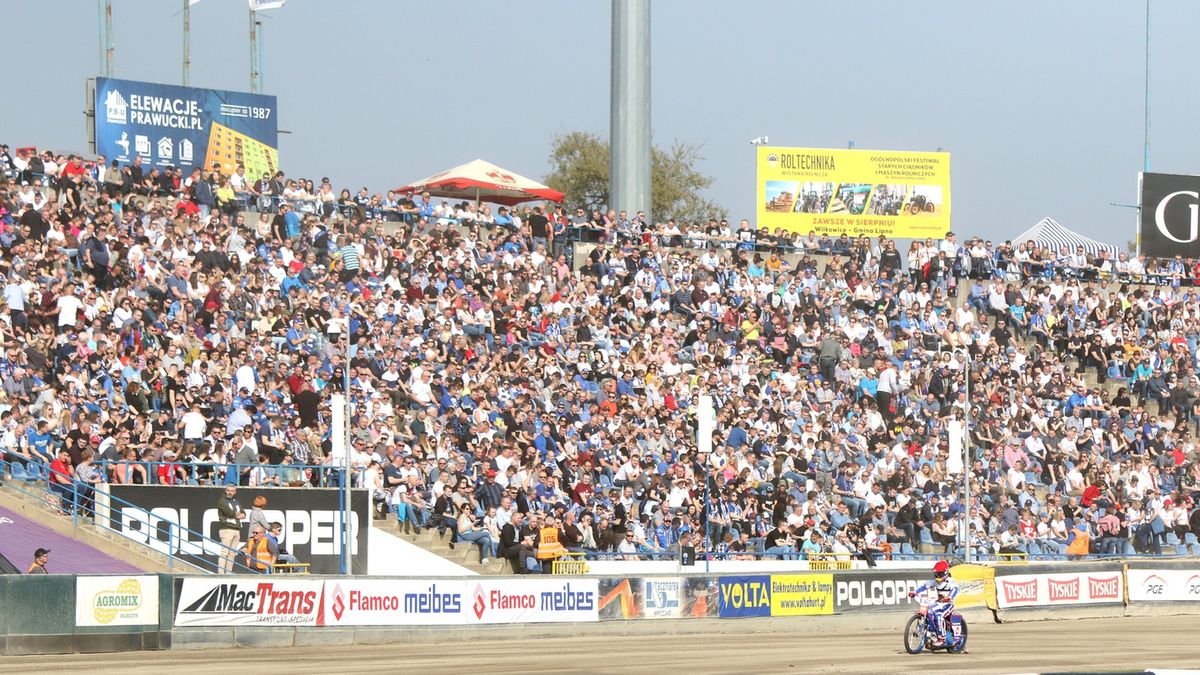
[914, 634]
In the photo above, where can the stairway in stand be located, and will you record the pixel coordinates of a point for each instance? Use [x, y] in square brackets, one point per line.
[463, 553]
[88, 535]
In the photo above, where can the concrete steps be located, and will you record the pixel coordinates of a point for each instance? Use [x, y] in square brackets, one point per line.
[463, 553]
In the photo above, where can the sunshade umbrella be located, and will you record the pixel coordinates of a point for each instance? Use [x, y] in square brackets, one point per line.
[484, 181]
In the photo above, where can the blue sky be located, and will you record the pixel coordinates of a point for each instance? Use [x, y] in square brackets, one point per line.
[1040, 103]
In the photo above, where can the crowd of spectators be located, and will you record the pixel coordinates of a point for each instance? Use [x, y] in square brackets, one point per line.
[157, 332]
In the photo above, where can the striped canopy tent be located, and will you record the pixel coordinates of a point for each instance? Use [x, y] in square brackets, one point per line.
[1053, 235]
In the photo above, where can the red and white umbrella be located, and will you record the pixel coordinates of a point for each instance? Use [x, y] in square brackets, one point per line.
[484, 181]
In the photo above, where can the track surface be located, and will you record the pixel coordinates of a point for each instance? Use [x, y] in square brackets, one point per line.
[1077, 645]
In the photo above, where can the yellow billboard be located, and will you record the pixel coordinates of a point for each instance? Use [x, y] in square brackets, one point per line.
[871, 192]
[976, 586]
[801, 594]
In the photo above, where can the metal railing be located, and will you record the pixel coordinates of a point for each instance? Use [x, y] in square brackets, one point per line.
[92, 505]
[827, 560]
[221, 473]
[572, 562]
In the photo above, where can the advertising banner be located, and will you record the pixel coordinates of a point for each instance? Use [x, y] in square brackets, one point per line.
[169, 125]
[1169, 224]
[857, 192]
[532, 600]
[1066, 588]
[976, 585]
[801, 594]
[383, 602]
[876, 591]
[116, 601]
[250, 601]
[1158, 585]
[618, 600]
[310, 519]
[662, 598]
[743, 596]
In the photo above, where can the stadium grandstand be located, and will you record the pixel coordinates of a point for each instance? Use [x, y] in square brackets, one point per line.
[526, 383]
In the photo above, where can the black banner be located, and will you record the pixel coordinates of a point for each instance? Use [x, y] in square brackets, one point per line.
[310, 519]
[876, 590]
[1170, 215]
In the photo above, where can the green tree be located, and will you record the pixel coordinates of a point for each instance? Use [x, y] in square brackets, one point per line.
[579, 169]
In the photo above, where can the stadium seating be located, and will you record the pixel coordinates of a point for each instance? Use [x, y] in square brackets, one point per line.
[554, 366]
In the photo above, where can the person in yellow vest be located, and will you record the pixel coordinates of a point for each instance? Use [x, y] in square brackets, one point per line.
[260, 551]
[1079, 543]
[549, 545]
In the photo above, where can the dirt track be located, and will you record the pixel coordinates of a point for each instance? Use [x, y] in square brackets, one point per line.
[1077, 645]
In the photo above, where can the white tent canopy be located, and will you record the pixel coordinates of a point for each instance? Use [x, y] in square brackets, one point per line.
[1053, 235]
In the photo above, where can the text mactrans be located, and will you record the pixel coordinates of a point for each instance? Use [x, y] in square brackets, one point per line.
[264, 599]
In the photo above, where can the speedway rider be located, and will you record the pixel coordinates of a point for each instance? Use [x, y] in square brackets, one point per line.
[947, 590]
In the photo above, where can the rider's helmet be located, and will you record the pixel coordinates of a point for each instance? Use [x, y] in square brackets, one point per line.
[941, 570]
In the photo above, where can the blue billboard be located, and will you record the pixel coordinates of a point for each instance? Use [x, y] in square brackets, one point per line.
[743, 596]
[168, 125]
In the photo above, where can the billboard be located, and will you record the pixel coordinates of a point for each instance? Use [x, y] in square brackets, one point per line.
[388, 602]
[744, 596]
[248, 601]
[874, 592]
[531, 600]
[1066, 588]
[858, 192]
[801, 594]
[310, 519]
[169, 125]
[1169, 224]
[1163, 585]
[662, 598]
[116, 601]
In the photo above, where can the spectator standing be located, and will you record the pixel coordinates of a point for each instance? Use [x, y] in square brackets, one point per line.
[229, 527]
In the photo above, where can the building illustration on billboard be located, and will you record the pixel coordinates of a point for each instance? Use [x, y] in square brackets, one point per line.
[230, 148]
[857, 192]
[168, 125]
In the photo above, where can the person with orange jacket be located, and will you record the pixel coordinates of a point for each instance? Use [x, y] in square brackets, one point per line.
[261, 552]
[1079, 542]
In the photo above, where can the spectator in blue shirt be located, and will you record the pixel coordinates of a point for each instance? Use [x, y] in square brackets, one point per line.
[545, 443]
[503, 218]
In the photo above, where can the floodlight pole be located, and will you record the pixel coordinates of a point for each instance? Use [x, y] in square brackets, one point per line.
[106, 37]
[1146, 99]
[253, 53]
[629, 113]
[187, 41]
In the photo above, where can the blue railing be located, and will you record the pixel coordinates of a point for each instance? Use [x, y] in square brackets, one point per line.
[220, 473]
[957, 552]
[272, 204]
[92, 504]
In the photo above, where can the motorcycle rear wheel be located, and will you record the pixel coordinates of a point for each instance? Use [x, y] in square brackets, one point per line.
[962, 640]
